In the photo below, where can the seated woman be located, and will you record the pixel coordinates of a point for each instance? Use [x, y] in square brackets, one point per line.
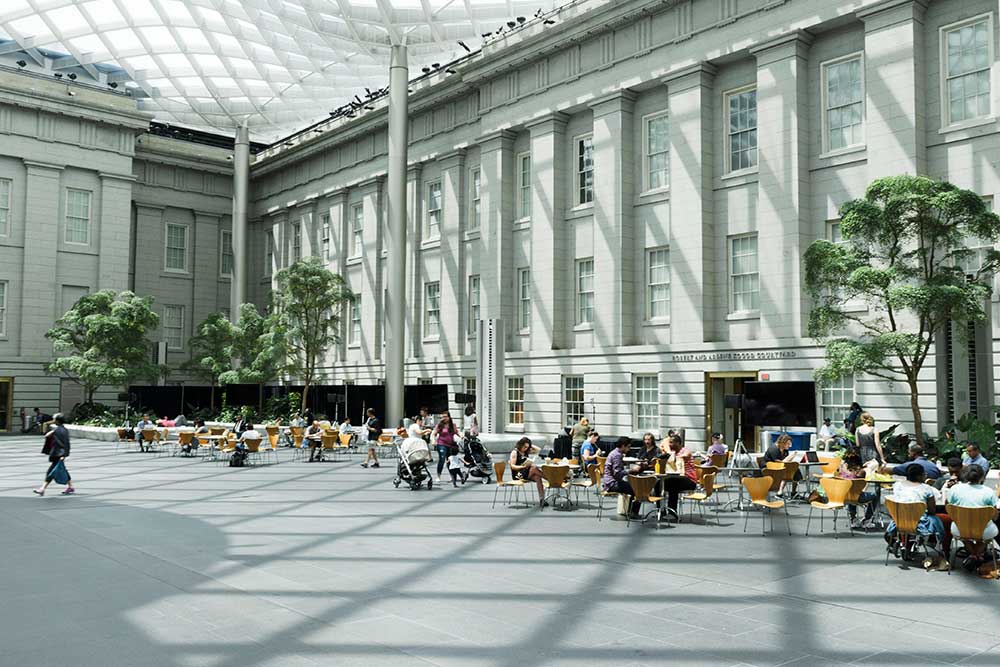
[853, 468]
[915, 490]
[717, 447]
[589, 451]
[649, 452]
[970, 492]
[521, 466]
[680, 465]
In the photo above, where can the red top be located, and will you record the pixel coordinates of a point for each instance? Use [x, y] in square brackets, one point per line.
[686, 456]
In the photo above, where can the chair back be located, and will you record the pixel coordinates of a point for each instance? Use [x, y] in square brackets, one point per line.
[830, 466]
[757, 487]
[595, 476]
[272, 429]
[185, 437]
[791, 468]
[836, 489]
[719, 460]
[555, 476]
[971, 521]
[329, 441]
[297, 438]
[498, 469]
[216, 430]
[345, 439]
[642, 486]
[857, 488]
[123, 434]
[600, 464]
[906, 515]
[701, 471]
[149, 434]
[708, 483]
[252, 445]
[776, 475]
[385, 439]
[296, 430]
[775, 465]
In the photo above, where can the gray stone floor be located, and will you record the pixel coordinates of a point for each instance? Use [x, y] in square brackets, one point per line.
[170, 561]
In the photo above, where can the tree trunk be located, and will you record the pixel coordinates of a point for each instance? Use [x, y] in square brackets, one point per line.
[90, 394]
[211, 399]
[918, 422]
[260, 398]
[305, 396]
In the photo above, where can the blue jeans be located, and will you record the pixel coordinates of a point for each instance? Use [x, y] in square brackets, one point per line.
[442, 451]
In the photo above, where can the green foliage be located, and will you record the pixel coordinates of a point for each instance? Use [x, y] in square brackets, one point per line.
[211, 349]
[106, 336]
[308, 301]
[282, 408]
[906, 258]
[256, 348]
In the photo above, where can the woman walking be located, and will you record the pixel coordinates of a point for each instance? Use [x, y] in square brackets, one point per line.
[57, 447]
[866, 436]
[444, 441]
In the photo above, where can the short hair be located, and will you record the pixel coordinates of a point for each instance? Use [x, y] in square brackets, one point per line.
[60, 419]
[593, 434]
[675, 441]
[972, 474]
[717, 436]
[916, 450]
[370, 411]
[915, 473]
[954, 462]
[974, 446]
[624, 441]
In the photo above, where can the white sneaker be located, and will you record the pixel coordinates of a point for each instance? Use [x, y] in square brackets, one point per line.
[438, 480]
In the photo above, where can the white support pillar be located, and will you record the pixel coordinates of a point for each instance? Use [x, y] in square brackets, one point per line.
[496, 169]
[241, 186]
[395, 331]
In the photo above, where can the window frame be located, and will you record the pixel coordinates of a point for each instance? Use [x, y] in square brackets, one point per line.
[824, 68]
[166, 338]
[66, 216]
[436, 183]
[473, 303]
[650, 317]
[166, 246]
[295, 243]
[727, 154]
[6, 191]
[269, 252]
[523, 189]
[427, 336]
[569, 419]
[222, 254]
[637, 404]
[821, 405]
[578, 142]
[524, 299]
[357, 230]
[647, 121]
[4, 291]
[579, 321]
[518, 399]
[354, 329]
[324, 221]
[731, 288]
[475, 220]
[947, 124]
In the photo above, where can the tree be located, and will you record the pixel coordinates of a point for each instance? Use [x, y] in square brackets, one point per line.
[106, 335]
[308, 301]
[906, 255]
[257, 348]
[211, 350]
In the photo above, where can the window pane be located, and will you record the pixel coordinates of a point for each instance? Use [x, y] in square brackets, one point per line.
[968, 72]
[524, 299]
[573, 398]
[5, 188]
[515, 400]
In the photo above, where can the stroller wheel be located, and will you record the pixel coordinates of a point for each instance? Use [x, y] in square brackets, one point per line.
[430, 483]
[395, 482]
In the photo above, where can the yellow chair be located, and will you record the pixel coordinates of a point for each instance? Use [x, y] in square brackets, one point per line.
[906, 516]
[509, 487]
[273, 432]
[758, 488]
[253, 449]
[829, 468]
[216, 430]
[298, 433]
[556, 478]
[206, 447]
[185, 439]
[776, 471]
[836, 497]
[149, 439]
[642, 492]
[708, 488]
[224, 450]
[331, 444]
[124, 439]
[858, 487]
[719, 460]
[592, 480]
[971, 522]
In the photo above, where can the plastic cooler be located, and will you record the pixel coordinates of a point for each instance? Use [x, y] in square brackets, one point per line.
[800, 439]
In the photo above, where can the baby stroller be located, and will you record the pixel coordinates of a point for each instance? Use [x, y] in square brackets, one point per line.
[414, 455]
[478, 458]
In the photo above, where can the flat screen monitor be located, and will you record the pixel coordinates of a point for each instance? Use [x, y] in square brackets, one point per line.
[779, 403]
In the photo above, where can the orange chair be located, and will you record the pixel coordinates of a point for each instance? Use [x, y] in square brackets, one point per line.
[836, 499]
[509, 487]
[971, 522]
[758, 488]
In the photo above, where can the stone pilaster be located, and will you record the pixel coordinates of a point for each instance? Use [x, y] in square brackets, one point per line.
[115, 229]
[496, 173]
[415, 227]
[43, 235]
[452, 251]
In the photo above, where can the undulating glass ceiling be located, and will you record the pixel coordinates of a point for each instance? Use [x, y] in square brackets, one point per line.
[281, 63]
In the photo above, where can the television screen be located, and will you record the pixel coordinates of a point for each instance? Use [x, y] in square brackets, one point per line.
[779, 403]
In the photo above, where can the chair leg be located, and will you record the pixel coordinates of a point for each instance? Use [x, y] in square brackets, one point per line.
[809, 520]
[835, 534]
[746, 519]
[495, 492]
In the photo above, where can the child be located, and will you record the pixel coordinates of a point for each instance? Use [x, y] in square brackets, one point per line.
[456, 467]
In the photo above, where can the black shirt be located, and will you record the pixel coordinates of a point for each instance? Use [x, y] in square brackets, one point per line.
[374, 423]
[773, 453]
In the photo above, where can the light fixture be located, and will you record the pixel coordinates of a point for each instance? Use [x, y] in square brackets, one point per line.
[425, 69]
[112, 85]
[57, 75]
[464, 46]
[521, 19]
[72, 77]
[71, 93]
[21, 63]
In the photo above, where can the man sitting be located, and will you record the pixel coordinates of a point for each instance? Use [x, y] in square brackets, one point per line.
[250, 434]
[916, 453]
[974, 457]
[143, 424]
[589, 451]
[616, 472]
[826, 436]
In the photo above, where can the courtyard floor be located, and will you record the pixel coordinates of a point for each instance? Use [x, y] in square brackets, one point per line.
[172, 561]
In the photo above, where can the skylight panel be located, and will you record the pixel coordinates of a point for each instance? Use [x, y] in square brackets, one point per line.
[194, 40]
[69, 19]
[32, 26]
[160, 40]
[142, 12]
[125, 41]
[91, 44]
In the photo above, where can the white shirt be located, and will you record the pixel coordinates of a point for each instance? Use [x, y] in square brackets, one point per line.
[826, 431]
[252, 434]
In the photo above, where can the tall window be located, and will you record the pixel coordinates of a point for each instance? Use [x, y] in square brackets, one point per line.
[434, 210]
[473, 303]
[743, 277]
[647, 402]
[226, 253]
[358, 229]
[573, 406]
[524, 299]
[354, 334]
[835, 397]
[657, 155]
[524, 186]
[844, 99]
[515, 401]
[3, 307]
[584, 169]
[475, 193]
[173, 327]
[432, 310]
[77, 216]
[469, 386]
[966, 56]
[658, 284]
[325, 235]
[741, 121]
[268, 252]
[585, 291]
[5, 188]
[296, 242]
[176, 248]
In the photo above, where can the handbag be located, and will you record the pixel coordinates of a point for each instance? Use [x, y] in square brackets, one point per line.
[59, 473]
[50, 443]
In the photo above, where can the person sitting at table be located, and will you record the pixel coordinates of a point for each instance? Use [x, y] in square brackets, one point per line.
[242, 424]
[521, 467]
[826, 435]
[915, 490]
[650, 451]
[250, 434]
[717, 447]
[199, 427]
[298, 421]
[917, 459]
[970, 492]
[950, 479]
[616, 472]
[589, 451]
[974, 457]
[853, 468]
[678, 463]
[778, 452]
[312, 440]
[143, 423]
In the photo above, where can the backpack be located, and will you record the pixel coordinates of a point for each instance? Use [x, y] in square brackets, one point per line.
[239, 457]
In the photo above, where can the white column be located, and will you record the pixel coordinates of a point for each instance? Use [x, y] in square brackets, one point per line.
[496, 165]
[241, 185]
[453, 279]
[414, 291]
[692, 228]
[783, 220]
[370, 283]
[395, 342]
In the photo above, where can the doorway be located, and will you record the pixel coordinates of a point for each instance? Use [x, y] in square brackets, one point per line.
[719, 418]
[6, 404]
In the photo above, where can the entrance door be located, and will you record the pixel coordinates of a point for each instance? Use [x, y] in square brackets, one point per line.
[6, 404]
[719, 418]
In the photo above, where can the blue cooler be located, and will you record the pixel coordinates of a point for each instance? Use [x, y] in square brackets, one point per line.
[800, 439]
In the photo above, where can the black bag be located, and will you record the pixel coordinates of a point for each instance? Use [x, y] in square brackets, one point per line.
[238, 459]
[50, 443]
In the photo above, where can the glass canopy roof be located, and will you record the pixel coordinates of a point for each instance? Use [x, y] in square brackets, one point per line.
[283, 64]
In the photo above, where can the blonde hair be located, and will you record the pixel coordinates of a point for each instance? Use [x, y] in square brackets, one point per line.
[584, 421]
[867, 419]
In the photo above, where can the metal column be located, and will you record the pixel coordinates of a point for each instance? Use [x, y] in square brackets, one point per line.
[241, 186]
[395, 316]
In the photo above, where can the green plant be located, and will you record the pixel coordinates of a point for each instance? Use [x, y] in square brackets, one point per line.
[211, 350]
[282, 408]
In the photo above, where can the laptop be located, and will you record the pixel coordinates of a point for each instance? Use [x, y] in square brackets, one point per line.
[812, 457]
